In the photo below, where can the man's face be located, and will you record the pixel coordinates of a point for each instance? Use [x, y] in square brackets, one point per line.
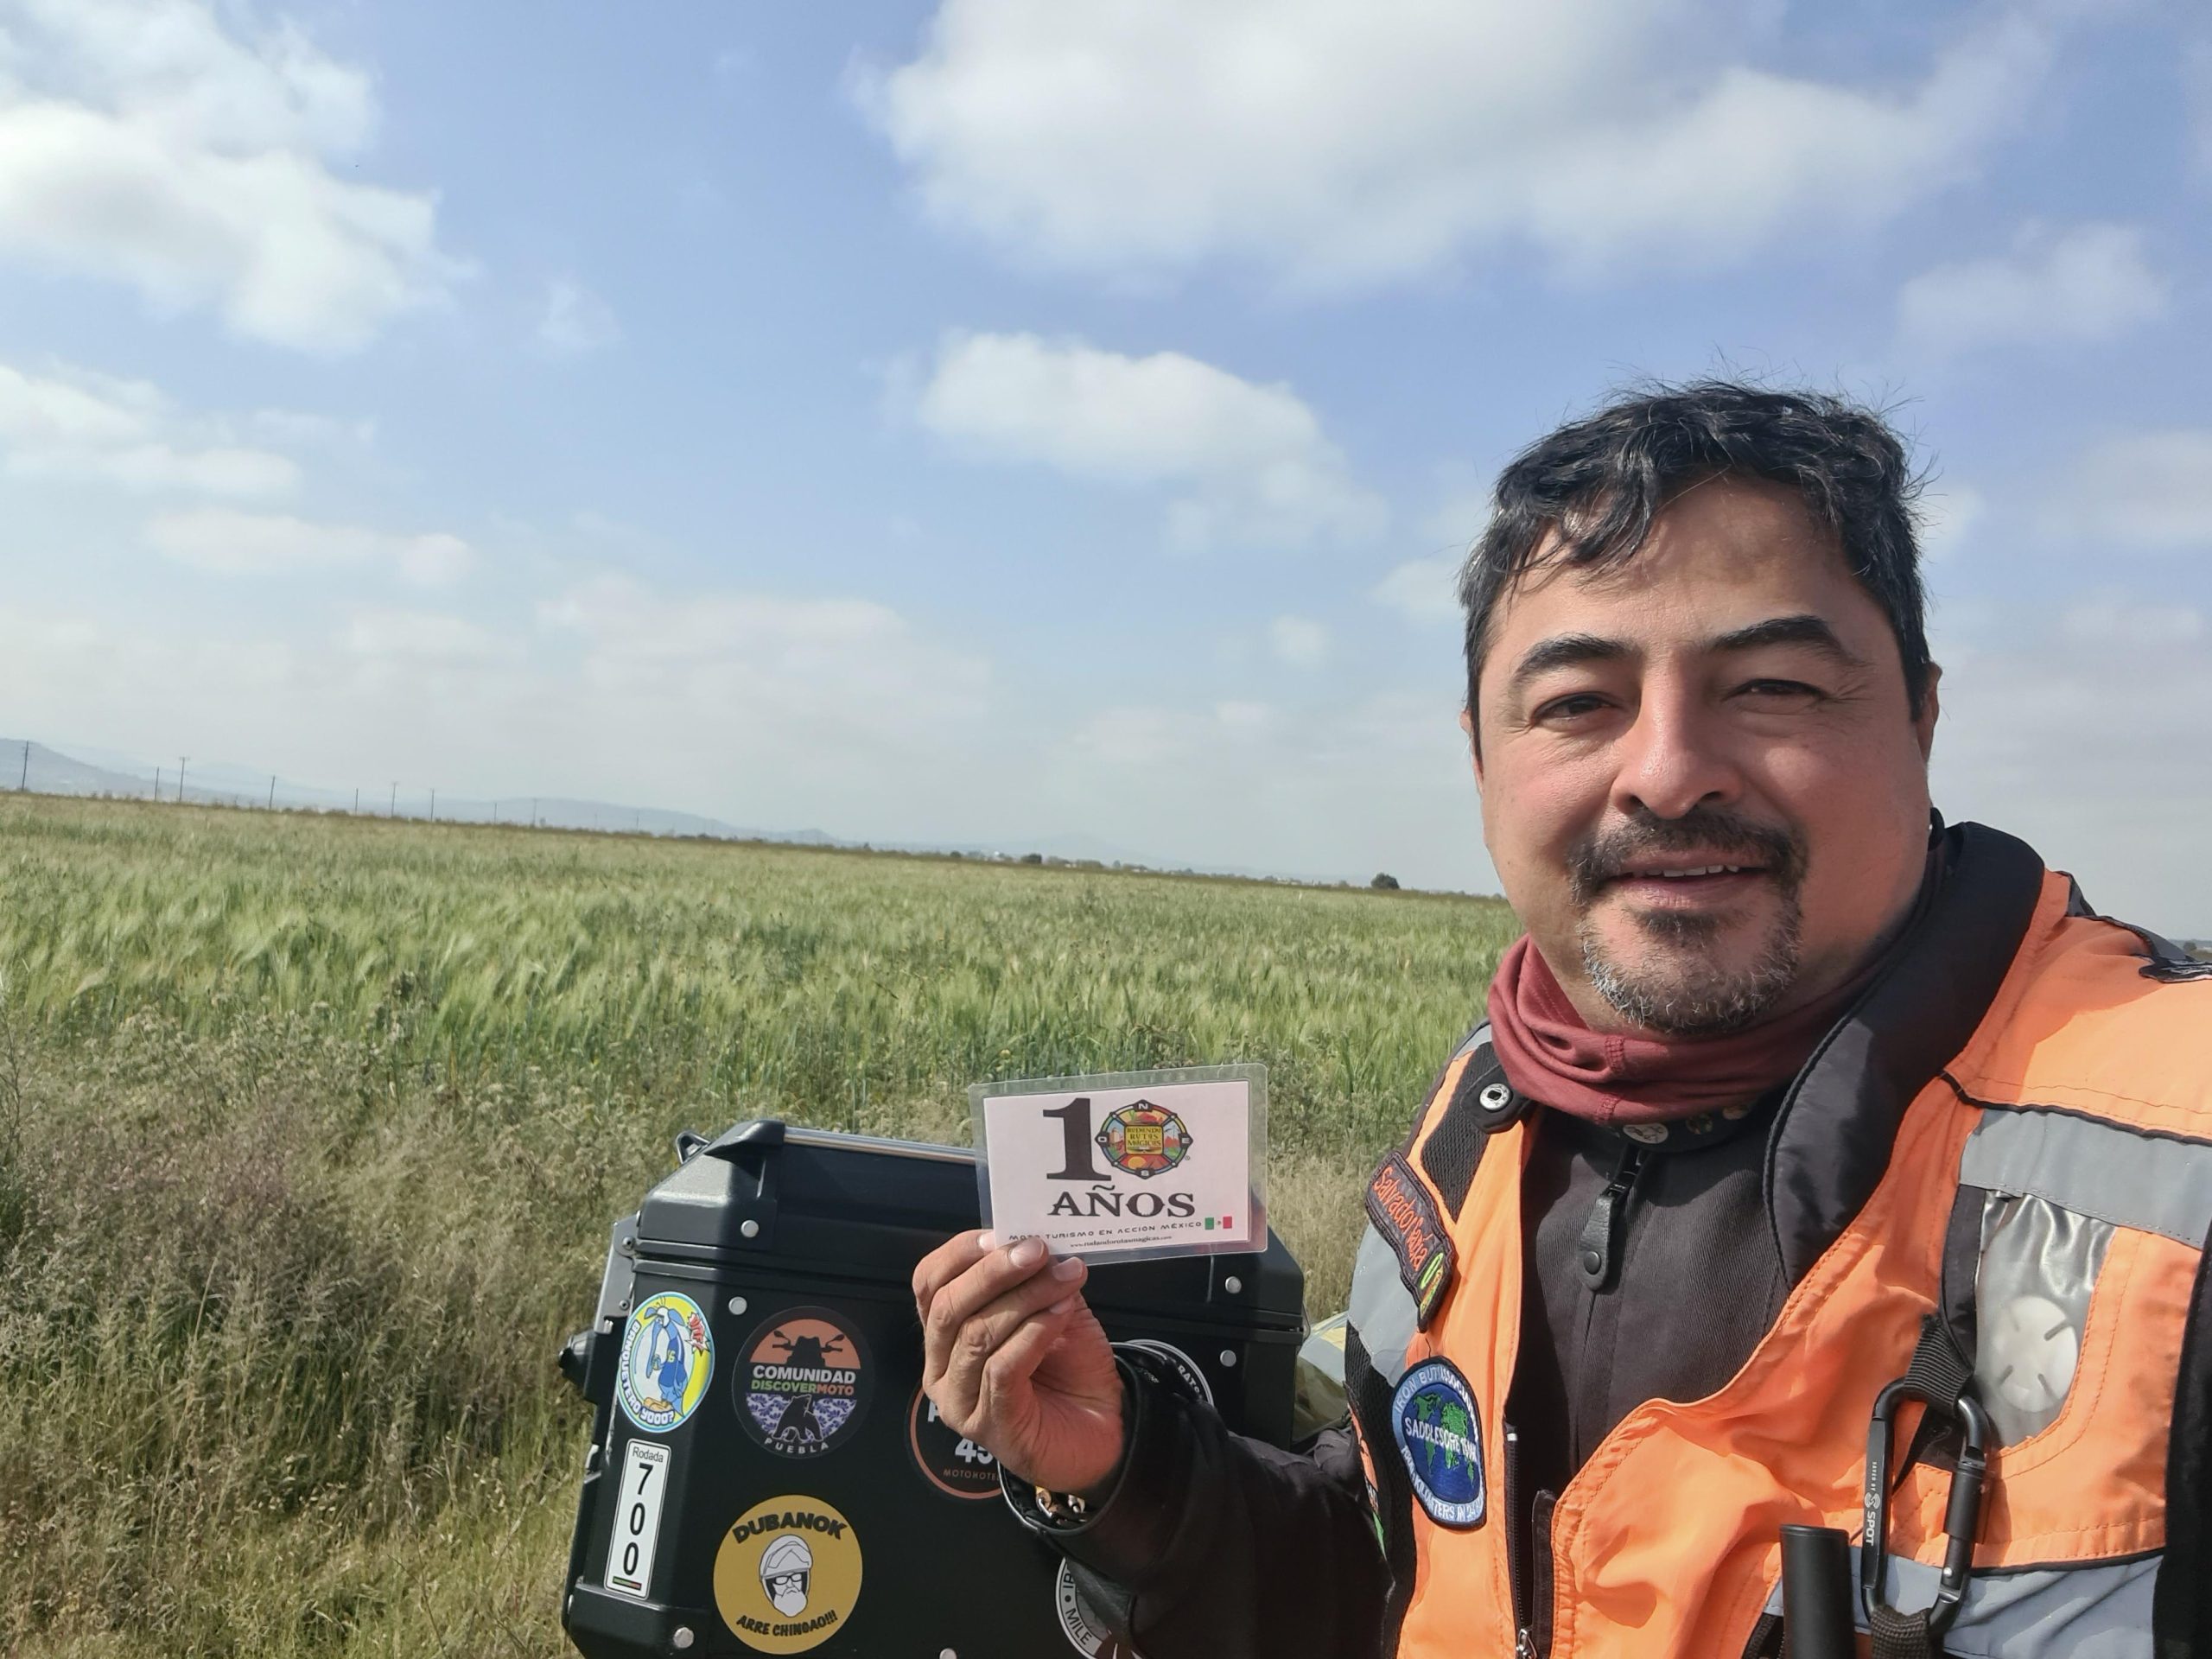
[787, 1593]
[1729, 697]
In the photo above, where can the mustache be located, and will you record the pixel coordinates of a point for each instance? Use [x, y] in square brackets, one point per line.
[1599, 857]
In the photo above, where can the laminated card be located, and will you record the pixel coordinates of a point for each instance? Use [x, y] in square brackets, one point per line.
[1128, 1164]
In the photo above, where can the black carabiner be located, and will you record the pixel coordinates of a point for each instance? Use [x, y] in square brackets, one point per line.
[1962, 1515]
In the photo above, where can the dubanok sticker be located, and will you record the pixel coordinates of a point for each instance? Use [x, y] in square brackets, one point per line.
[802, 1382]
[787, 1574]
[668, 1355]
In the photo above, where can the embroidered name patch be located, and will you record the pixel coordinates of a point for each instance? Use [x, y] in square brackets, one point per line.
[1405, 1215]
[1439, 1434]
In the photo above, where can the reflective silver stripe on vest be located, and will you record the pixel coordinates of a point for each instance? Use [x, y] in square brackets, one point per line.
[2146, 1182]
[2098, 1611]
[2039, 1267]
[1382, 1310]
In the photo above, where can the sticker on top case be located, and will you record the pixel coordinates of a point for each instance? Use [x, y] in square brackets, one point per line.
[802, 1383]
[668, 1356]
[787, 1574]
[948, 1460]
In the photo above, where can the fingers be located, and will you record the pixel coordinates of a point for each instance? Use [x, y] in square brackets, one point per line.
[971, 1318]
[944, 1264]
[989, 1274]
[1003, 1399]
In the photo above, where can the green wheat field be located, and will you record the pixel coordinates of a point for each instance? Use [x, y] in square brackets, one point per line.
[311, 1128]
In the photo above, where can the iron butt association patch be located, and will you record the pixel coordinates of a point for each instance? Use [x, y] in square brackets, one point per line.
[1406, 1216]
[1438, 1430]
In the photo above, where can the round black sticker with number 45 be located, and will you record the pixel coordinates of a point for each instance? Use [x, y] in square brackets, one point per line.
[950, 1462]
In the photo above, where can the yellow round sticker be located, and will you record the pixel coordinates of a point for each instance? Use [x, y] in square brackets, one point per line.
[787, 1574]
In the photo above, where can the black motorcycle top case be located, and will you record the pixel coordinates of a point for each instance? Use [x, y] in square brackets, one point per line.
[805, 1465]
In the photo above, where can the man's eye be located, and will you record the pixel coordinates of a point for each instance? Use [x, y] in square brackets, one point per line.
[1779, 689]
[1571, 708]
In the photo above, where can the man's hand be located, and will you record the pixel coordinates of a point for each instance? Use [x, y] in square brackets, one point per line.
[1016, 1361]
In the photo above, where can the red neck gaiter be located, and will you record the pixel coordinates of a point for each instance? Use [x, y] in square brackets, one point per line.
[1552, 1057]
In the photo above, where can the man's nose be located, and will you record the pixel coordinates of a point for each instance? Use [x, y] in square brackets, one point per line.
[1673, 759]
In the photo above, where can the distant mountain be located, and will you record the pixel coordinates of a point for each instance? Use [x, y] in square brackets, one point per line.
[50, 772]
[228, 784]
[225, 783]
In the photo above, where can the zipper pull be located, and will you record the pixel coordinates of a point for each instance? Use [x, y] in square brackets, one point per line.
[1595, 1250]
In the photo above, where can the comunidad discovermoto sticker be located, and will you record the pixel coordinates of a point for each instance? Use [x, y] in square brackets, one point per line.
[802, 1383]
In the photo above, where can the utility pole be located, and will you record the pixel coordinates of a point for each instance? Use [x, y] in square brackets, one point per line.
[434, 806]
[533, 811]
[357, 800]
[25, 785]
[181, 760]
[392, 811]
[157, 783]
[272, 791]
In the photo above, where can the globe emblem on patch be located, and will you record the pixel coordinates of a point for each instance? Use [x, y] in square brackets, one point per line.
[1144, 1139]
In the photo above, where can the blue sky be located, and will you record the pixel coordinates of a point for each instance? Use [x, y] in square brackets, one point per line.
[983, 420]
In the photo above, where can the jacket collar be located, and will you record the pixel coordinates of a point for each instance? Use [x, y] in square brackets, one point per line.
[1832, 1135]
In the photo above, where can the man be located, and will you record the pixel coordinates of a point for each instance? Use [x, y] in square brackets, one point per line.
[1784, 1096]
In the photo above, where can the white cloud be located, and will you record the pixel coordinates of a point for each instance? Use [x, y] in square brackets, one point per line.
[1250, 463]
[779, 711]
[73, 424]
[1299, 641]
[843, 664]
[1331, 788]
[422, 636]
[575, 321]
[2087, 283]
[2113, 620]
[233, 543]
[2083, 733]
[2150, 490]
[145, 142]
[1424, 590]
[1341, 145]
[1947, 514]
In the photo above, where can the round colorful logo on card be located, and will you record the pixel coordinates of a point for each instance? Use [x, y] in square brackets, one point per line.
[802, 1383]
[1144, 1139]
[787, 1573]
[1439, 1434]
[668, 1355]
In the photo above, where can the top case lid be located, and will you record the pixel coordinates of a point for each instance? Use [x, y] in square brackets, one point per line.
[856, 1206]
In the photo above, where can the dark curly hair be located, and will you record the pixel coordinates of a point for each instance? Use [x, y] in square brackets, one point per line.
[1600, 482]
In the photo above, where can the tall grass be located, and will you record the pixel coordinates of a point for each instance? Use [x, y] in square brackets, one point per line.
[310, 1129]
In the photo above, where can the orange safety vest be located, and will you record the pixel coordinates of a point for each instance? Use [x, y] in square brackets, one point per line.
[2074, 1128]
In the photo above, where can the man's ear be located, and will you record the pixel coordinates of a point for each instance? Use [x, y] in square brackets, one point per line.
[1923, 723]
[1474, 743]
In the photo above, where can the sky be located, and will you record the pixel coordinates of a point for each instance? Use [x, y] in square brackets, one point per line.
[991, 419]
